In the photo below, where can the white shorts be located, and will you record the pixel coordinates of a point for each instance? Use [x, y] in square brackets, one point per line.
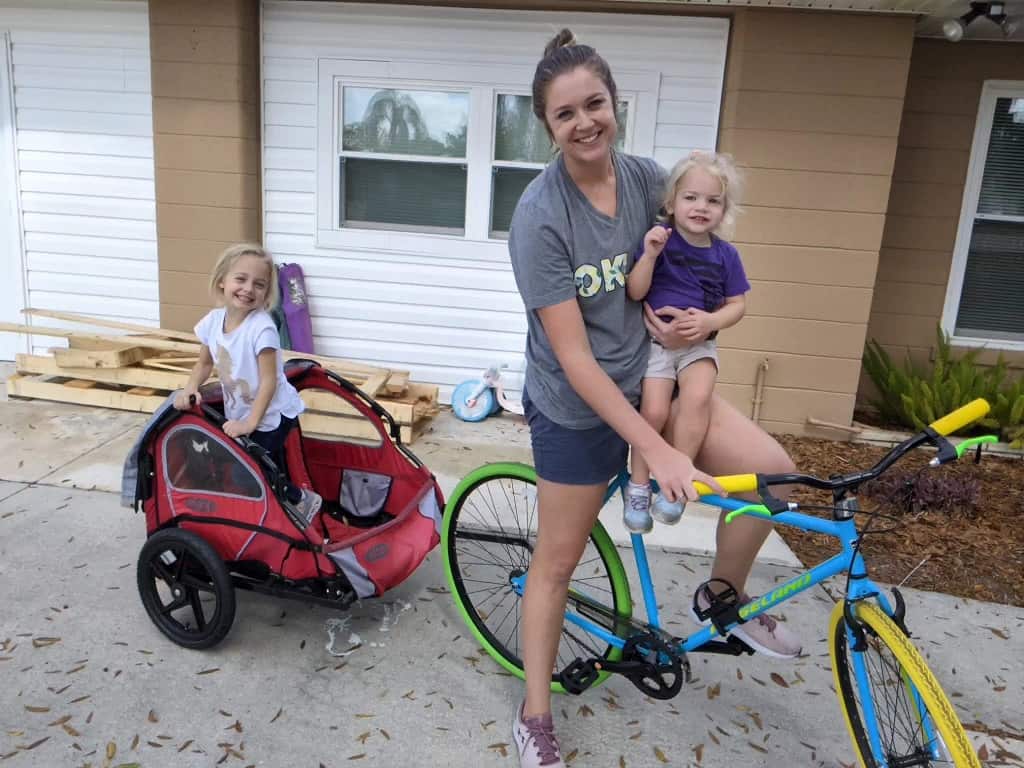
[667, 363]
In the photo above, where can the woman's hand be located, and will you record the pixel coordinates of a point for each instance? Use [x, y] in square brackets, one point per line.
[676, 474]
[667, 333]
[696, 325]
[183, 400]
[237, 428]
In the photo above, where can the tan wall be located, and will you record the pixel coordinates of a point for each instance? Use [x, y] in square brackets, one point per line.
[812, 113]
[205, 69]
[939, 116]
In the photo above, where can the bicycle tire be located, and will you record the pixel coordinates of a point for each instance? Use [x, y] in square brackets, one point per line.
[498, 500]
[895, 669]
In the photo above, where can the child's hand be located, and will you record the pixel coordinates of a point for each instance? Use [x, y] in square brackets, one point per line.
[655, 239]
[696, 325]
[183, 400]
[237, 428]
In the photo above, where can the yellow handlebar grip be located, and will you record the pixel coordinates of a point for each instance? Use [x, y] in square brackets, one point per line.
[961, 417]
[731, 484]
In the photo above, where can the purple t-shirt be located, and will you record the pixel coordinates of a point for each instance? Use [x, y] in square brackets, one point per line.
[688, 276]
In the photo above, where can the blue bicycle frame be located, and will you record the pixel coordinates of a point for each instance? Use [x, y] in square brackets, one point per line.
[847, 560]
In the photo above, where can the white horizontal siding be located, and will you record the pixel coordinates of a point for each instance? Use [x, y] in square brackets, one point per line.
[445, 317]
[84, 148]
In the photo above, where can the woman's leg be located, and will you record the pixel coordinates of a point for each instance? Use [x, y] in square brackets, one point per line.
[566, 515]
[735, 444]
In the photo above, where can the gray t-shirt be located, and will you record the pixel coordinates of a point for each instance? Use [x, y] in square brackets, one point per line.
[563, 248]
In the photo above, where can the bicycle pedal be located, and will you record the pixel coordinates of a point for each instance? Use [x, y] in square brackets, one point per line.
[578, 676]
[723, 609]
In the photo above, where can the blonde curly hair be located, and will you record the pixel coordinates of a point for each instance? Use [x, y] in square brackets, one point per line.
[721, 166]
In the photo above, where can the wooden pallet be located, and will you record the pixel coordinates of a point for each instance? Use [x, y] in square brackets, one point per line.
[62, 389]
[137, 369]
[143, 391]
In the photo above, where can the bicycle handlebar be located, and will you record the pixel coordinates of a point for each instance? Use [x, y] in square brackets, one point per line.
[949, 423]
[961, 417]
[730, 484]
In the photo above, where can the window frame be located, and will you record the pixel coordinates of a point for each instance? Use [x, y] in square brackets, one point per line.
[639, 88]
[990, 92]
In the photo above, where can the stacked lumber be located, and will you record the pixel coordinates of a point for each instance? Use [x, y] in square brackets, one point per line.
[136, 369]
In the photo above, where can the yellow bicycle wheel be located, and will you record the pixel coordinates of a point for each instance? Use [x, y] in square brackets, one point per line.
[915, 723]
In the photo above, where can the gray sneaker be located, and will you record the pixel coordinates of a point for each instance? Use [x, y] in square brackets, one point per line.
[635, 508]
[308, 506]
[536, 742]
[764, 633]
[665, 511]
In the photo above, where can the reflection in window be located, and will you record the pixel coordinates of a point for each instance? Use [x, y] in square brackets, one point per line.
[521, 149]
[197, 461]
[402, 163]
[431, 123]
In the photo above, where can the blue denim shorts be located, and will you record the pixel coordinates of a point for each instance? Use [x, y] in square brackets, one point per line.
[573, 456]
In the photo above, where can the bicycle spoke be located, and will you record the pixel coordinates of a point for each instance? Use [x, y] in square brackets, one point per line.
[491, 541]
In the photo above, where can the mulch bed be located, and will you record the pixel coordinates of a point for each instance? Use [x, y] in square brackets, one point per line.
[973, 550]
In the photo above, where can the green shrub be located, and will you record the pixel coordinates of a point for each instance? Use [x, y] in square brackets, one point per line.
[915, 395]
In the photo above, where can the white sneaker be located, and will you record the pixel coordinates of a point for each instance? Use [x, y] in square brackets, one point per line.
[635, 508]
[665, 511]
[536, 742]
[764, 633]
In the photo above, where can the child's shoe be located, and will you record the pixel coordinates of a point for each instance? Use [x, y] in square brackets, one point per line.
[307, 507]
[536, 742]
[636, 514]
[665, 511]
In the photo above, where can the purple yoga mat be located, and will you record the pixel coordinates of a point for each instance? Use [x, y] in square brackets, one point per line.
[295, 306]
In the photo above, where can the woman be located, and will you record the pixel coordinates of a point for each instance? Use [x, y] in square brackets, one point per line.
[572, 236]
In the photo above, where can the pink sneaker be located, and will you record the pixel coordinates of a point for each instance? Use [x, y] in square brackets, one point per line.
[535, 739]
[764, 633]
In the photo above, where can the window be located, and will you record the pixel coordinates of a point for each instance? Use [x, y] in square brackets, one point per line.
[987, 275]
[413, 161]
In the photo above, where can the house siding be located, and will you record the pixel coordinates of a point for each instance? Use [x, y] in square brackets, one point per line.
[443, 317]
[812, 111]
[205, 65]
[84, 158]
[940, 111]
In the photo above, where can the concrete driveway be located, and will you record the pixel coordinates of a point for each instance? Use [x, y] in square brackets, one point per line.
[86, 679]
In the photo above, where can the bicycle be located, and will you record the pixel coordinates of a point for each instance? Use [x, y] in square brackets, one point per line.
[895, 710]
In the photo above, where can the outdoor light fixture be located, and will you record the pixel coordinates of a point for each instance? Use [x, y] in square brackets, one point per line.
[953, 29]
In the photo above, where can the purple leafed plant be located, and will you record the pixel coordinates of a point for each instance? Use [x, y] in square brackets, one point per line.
[911, 492]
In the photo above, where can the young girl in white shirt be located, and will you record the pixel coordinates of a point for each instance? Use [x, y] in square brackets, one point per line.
[240, 339]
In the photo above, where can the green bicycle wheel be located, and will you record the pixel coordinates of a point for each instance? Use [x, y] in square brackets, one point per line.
[915, 722]
[487, 540]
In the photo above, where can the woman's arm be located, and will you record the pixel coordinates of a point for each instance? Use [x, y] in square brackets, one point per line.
[673, 470]
[267, 360]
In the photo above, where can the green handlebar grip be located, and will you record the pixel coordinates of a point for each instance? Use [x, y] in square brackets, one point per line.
[751, 509]
[970, 442]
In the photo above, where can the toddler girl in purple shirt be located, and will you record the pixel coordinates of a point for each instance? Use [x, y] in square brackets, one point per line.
[684, 264]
